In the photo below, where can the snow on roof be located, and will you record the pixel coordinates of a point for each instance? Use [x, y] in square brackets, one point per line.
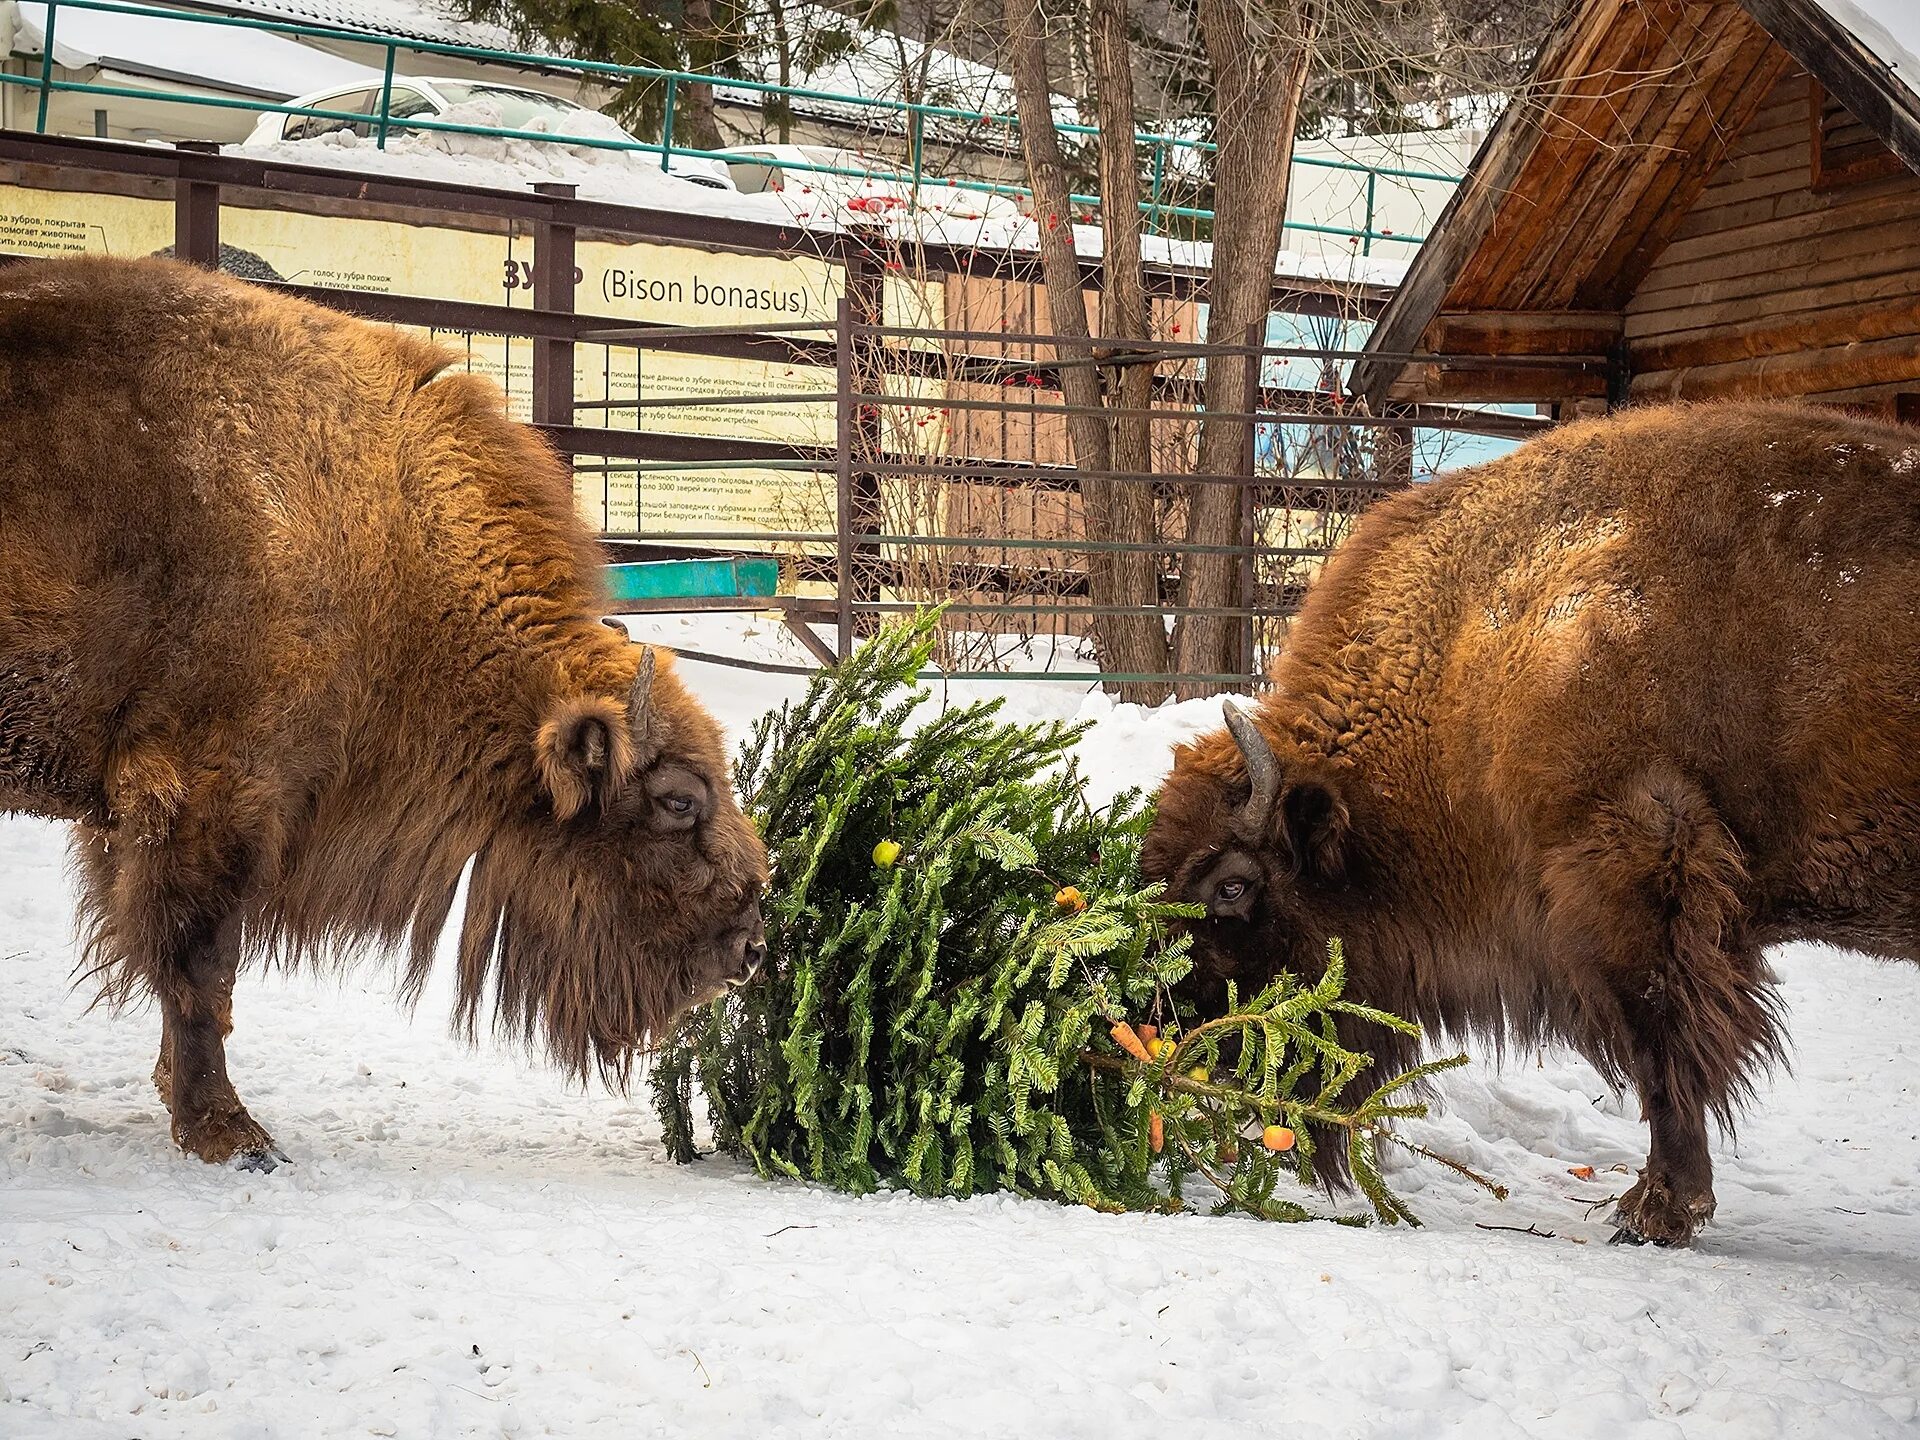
[247, 62]
[1889, 28]
[408, 19]
[635, 178]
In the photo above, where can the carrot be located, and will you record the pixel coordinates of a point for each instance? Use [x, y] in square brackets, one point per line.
[1148, 1033]
[1124, 1036]
[1580, 1172]
[1156, 1133]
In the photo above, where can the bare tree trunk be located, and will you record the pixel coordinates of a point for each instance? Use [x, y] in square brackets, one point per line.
[695, 102]
[1258, 51]
[783, 48]
[1130, 644]
[1128, 505]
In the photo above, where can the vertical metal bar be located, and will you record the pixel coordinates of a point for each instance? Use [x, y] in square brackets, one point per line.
[386, 101]
[1159, 171]
[1248, 516]
[196, 213]
[46, 66]
[666, 127]
[553, 284]
[1366, 245]
[843, 474]
[916, 141]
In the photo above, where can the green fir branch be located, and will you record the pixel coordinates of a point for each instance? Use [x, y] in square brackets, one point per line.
[940, 1022]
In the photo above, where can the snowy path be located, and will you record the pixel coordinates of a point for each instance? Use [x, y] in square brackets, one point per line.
[467, 1247]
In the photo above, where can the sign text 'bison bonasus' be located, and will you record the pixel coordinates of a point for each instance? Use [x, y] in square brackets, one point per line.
[296, 628]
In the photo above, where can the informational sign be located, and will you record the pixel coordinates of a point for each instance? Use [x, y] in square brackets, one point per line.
[65, 222]
[642, 281]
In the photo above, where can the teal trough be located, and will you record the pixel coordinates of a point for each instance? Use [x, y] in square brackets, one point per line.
[692, 579]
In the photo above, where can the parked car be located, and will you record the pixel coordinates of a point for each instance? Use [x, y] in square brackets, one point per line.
[511, 107]
[760, 168]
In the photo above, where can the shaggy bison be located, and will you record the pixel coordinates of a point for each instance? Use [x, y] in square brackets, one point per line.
[296, 628]
[1560, 743]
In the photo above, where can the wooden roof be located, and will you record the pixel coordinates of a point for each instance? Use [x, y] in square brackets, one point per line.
[1589, 172]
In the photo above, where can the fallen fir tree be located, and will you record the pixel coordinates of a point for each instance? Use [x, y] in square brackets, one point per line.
[959, 951]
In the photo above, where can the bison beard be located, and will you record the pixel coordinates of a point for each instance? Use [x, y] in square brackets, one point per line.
[294, 628]
[1558, 745]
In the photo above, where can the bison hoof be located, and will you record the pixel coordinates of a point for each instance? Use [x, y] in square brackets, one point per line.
[263, 1162]
[1653, 1213]
[233, 1139]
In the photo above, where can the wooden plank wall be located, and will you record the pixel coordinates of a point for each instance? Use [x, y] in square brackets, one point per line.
[1772, 287]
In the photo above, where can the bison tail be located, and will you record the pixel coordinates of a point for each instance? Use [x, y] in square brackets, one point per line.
[1647, 913]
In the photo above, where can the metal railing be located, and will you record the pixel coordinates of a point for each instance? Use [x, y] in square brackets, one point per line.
[913, 116]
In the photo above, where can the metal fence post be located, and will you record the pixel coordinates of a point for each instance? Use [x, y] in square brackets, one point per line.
[1159, 171]
[666, 127]
[386, 102]
[1366, 245]
[843, 474]
[46, 66]
[196, 211]
[1248, 526]
[553, 284]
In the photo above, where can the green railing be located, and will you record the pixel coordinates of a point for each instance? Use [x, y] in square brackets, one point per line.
[915, 114]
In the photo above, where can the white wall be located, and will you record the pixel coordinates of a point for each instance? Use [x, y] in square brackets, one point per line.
[1406, 207]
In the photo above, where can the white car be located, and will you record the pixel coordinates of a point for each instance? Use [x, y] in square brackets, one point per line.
[762, 168]
[510, 107]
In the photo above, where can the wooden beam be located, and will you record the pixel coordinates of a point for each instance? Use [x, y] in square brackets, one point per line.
[1804, 372]
[1525, 332]
[1774, 335]
[1494, 383]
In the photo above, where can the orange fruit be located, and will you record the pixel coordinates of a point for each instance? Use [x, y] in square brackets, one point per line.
[1277, 1137]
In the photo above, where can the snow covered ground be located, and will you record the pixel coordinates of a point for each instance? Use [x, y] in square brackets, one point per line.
[466, 1246]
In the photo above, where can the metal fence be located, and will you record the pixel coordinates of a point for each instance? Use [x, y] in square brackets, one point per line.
[913, 118]
[860, 555]
[899, 525]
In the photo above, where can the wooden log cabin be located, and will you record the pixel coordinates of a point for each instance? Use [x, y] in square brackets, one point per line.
[1693, 199]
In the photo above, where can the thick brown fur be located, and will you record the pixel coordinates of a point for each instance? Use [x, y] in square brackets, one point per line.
[1568, 738]
[294, 624]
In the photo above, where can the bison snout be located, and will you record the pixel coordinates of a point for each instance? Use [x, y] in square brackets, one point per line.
[752, 957]
[742, 950]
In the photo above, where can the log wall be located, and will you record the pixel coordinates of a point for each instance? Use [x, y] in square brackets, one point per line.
[1777, 284]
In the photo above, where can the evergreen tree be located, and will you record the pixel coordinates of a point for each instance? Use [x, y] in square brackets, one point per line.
[958, 945]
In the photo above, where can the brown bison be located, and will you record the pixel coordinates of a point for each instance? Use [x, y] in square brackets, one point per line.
[1559, 744]
[297, 628]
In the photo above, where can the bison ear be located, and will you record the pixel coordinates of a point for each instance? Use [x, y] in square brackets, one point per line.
[1315, 821]
[584, 753]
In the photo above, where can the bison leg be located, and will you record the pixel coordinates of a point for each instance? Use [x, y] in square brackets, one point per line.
[1646, 906]
[164, 910]
[191, 1074]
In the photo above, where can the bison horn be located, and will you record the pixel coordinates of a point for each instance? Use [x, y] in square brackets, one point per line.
[639, 698]
[1263, 770]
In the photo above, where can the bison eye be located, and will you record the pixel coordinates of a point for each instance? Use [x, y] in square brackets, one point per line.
[1231, 890]
[678, 804]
